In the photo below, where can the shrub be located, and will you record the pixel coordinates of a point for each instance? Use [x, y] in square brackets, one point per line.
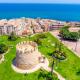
[38, 38]
[67, 35]
[59, 55]
[3, 48]
[78, 72]
[47, 75]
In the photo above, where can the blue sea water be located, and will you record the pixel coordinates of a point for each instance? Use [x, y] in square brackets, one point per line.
[64, 12]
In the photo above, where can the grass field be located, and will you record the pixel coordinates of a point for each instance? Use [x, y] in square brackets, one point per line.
[67, 68]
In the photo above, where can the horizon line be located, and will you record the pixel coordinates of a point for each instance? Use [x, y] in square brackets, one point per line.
[34, 3]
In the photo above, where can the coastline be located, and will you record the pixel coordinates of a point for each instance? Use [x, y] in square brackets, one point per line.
[62, 12]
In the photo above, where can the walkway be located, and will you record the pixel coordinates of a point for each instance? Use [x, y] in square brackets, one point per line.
[2, 59]
[73, 46]
[40, 65]
[49, 69]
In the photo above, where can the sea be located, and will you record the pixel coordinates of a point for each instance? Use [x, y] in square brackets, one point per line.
[63, 12]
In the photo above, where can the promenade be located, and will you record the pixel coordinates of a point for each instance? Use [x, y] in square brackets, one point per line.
[73, 46]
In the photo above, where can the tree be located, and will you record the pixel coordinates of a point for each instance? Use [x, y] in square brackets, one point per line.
[3, 48]
[41, 74]
[12, 37]
[67, 35]
[42, 35]
[52, 67]
[44, 75]
[50, 76]
[38, 38]
[78, 72]
[58, 54]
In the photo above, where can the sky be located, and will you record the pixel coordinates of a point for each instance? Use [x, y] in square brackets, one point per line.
[40, 1]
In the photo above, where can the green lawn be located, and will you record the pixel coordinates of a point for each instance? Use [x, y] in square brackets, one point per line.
[6, 72]
[67, 68]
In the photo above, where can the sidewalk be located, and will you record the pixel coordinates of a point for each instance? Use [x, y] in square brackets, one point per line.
[73, 46]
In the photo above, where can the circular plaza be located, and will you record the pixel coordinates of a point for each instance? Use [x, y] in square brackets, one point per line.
[28, 58]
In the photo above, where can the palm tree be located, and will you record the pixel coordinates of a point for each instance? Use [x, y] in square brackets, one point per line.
[52, 67]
